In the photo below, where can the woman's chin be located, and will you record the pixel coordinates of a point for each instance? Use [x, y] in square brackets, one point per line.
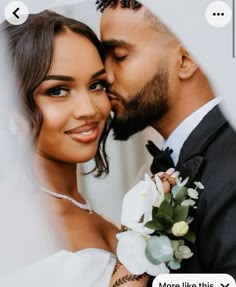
[85, 157]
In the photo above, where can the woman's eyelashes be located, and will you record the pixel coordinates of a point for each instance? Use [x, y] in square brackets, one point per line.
[62, 91]
[58, 92]
[98, 85]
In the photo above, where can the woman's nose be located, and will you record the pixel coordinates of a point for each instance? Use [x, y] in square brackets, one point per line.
[84, 106]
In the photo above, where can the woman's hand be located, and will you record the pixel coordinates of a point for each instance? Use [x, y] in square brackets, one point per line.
[168, 178]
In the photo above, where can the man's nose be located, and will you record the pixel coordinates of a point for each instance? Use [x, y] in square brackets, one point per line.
[109, 71]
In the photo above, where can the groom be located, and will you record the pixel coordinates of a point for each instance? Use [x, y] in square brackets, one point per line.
[155, 82]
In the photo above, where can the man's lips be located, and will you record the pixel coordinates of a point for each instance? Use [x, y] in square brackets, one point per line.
[112, 97]
[85, 133]
[114, 100]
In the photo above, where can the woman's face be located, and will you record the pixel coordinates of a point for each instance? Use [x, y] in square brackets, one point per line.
[72, 101]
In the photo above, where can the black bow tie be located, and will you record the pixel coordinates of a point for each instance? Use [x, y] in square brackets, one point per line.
[161, 158]
[163, 161]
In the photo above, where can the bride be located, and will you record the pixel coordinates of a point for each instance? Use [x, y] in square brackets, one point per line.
[61, 78]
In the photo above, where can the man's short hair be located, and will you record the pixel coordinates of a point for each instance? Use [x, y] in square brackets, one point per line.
[149, 17]
[103, 4]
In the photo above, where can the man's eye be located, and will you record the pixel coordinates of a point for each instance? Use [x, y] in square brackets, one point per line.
[120, 53]
[96, 86]
[119, 58]
[58, 92]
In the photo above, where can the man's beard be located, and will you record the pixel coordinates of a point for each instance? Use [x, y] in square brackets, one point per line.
[144, 109]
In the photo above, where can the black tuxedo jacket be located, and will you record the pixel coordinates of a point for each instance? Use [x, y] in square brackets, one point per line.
[215, 219]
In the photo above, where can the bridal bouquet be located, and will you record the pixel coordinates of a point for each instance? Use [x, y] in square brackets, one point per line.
[156, 225]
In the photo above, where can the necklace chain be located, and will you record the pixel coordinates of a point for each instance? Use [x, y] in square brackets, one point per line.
[84, 206]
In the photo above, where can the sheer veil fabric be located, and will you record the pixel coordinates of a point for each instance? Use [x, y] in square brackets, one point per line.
[26, 235]
[31, 254]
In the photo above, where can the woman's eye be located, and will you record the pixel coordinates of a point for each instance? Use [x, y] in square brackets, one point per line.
[58, 92]
[101, 85]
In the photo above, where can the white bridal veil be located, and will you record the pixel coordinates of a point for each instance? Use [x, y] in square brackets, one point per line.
[26, 234]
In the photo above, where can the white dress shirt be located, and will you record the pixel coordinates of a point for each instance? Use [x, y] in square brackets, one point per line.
[177, 138]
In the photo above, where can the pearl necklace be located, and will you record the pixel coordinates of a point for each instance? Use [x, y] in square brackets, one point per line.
[84, 206]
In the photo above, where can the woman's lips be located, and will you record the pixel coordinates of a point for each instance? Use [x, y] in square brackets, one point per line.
[85, 133]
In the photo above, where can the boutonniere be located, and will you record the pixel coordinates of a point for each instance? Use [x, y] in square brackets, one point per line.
[156, 224]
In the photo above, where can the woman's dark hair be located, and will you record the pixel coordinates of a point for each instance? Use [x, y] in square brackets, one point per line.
[31, 46]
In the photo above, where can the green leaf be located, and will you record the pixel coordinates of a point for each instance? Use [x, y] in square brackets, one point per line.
[188, 202]
[175, 189]
[168, 197]
[190, 236]
[181, 194]
[166, 208]
[180, 213]
[164, 221]
[153, 224]
[154, 211]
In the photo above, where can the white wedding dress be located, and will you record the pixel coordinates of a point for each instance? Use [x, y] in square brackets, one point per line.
[90, 267]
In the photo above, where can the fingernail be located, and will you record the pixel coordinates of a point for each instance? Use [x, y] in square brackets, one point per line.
[170, 171]
[175, 174]
[160, 173]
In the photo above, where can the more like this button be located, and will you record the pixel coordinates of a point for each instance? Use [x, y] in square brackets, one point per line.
[16, 12]
[194, 280]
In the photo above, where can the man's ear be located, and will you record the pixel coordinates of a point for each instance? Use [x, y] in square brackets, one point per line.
[187, 65]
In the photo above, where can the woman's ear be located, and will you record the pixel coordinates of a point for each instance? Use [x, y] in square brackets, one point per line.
[187, 66]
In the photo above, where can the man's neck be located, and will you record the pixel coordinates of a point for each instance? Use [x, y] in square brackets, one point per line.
[177, 114]
[177, 138]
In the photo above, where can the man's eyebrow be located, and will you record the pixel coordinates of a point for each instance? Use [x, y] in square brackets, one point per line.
[115, 43]
[59, 77]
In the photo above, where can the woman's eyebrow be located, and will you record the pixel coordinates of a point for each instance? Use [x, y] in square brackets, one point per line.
[59, 77]
[71, 79]
[100, 72]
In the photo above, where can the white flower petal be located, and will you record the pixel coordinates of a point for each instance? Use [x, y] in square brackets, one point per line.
[160, 193]
[135, 204]
[131, 252]
[155, 270]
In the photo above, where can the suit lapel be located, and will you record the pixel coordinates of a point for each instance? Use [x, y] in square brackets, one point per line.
[192, 153]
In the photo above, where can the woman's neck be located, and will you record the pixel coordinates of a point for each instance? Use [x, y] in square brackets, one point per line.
[56, 176]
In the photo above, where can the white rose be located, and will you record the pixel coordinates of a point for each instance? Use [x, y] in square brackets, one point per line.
[180, 228]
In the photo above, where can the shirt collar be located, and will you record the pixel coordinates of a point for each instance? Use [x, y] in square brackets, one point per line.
[177, 138]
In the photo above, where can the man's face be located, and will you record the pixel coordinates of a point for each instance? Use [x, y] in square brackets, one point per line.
[137, 61]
